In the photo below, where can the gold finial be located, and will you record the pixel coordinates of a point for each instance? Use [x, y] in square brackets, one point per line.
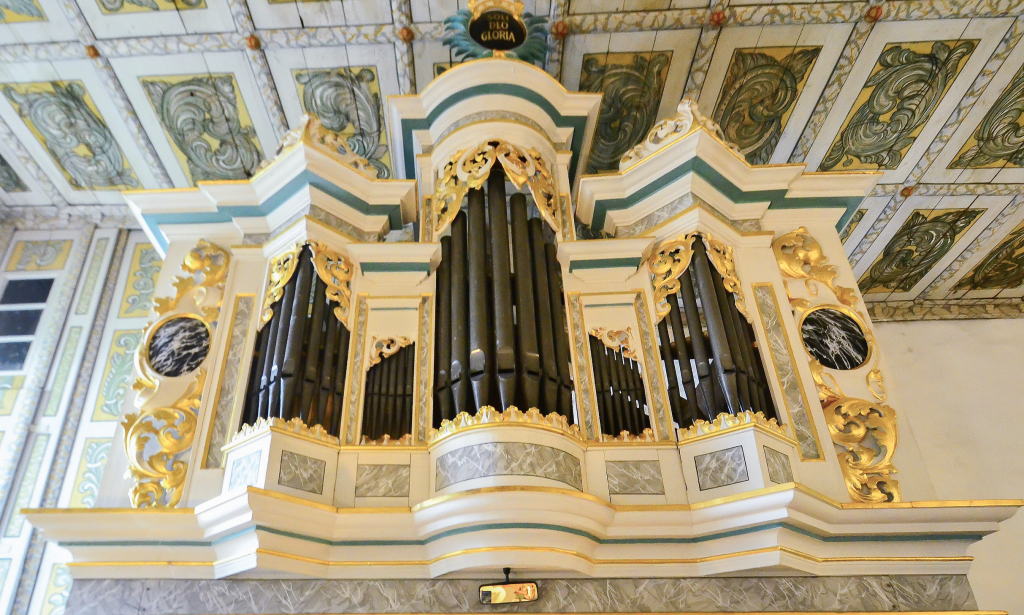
[479, 7]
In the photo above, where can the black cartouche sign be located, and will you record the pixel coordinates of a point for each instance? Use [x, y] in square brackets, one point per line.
[497, 30]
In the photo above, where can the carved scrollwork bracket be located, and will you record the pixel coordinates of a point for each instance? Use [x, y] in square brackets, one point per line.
[469, 168]
[667, 263]
[282, 267]
[619, 340]
[382, 348]
[336, 271]
[801, 257]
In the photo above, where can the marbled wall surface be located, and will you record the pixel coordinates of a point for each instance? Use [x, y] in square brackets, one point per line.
[302, 472]
[508, 459]
[634, 478]
[384, 480]
[245, 470]
[721, 468]
[709, 595]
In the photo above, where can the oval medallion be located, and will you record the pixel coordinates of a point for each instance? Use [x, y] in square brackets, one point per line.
[834, 338]
[178, 346]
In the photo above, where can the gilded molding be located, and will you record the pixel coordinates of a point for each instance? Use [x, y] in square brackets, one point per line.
[512, 416]
[282, 267]
[311, 132]
[667, 263]
[469, 168]
[854, 424]
[647, 435]
[160, 477]
[386, 440]
[382, 348]
[294, 426]
[725, 422]
[801, 257]
[618, 340]
[336, 271]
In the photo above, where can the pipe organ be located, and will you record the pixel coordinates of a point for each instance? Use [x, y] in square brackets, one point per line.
[659, 402]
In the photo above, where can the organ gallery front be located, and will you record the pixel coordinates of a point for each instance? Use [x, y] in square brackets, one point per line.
[654, 389]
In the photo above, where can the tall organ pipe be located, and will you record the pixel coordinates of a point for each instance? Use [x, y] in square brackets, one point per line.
[545, 328]
[460, 316]
[443, 402]
[725, 365]
[526, 317]
[481, 364]
[501, 277]
[560, 332]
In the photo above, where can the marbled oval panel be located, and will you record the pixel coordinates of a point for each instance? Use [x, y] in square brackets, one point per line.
[508, 459]
[179, 346]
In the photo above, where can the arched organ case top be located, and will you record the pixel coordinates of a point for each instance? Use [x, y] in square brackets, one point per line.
[712, 362]
[501, 337]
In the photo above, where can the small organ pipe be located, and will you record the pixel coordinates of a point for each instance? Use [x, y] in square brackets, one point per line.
[705, 385]
[686, 371]
[340, 373]
[460, 318]
[326, 374]
[277, 371]
[675, 398]
[726, 305]
[725, 366]
[314, 353]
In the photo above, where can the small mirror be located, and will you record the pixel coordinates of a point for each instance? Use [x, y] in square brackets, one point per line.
[507, 593]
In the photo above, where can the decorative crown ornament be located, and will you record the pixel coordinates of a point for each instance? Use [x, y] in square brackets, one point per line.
[479, 7]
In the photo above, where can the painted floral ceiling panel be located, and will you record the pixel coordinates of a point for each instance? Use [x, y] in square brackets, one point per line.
[98, 96]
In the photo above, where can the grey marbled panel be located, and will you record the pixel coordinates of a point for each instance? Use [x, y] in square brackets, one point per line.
[245, 470]
[784, 369]
[779, 469]
[229, 379]
[302, 473]
[385, 480]
[721, 468]
[656, 217]
[508, 459]
[634, 478]
[933, 592]
[709, 595]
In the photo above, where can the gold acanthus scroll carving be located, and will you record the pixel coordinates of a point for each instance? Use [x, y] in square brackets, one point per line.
[157, 438]
[331, 266]
[672, 258]
[619, 340]
[800, 257]
[381, 348]
[469, 168]
[867, 434]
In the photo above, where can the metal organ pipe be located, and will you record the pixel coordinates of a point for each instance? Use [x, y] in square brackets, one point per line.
[501, 283]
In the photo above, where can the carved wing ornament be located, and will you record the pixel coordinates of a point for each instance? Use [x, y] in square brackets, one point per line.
[800, 257]
[864, 432]
[282, 267]
[469, 169]
[158, 437]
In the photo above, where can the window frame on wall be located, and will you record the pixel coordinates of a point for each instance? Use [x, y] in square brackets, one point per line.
[38, 307]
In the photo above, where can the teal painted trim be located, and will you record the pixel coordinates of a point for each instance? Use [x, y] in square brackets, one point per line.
[606, 263]
[139, 543]
[776, 198]
[305, 179]
[394, 267]
[577, 122]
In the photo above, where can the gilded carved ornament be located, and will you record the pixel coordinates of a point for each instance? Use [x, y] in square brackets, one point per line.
[688, 119]
[619, 340]
[294, 426]
[801, 257]
[726, 421]
[311, 131]
[335, 270]
[156, 439]
[470, 168]
[865, 435]
[382, 348]
[672, 258]
[512, 415]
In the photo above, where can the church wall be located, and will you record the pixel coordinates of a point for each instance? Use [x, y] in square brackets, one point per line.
[959, 384]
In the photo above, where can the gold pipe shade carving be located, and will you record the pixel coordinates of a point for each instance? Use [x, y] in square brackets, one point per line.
[382, 348]
[156, 439]
[511, 416]
[800, 257]
[469, 168]
[673, 257]
[335, 270]
[618, 340]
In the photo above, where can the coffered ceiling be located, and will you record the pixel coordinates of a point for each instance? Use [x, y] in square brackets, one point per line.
[98, 96]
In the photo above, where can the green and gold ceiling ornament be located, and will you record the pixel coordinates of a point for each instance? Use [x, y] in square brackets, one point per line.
[499, 29]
